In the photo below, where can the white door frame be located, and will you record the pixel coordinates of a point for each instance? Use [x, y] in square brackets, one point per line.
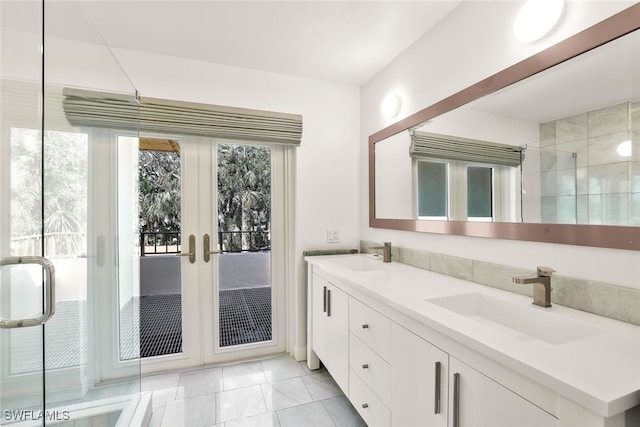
[199, 280]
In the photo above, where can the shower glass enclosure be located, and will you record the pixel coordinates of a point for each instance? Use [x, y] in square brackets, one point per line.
[64, 278]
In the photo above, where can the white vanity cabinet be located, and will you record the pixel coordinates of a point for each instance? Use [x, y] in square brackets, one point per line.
[330, 339]
[476, 400]
[370, 370]
[403, 362]
[419, 381]
[432, 388]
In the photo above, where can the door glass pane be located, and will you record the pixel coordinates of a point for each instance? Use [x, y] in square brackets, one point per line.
[433, 190]
[159, 223]
[479, 193]
[244, 238]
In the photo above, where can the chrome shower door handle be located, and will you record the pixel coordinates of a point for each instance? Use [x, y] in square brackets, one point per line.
[206, 248]
[192, 249]
[49, 291]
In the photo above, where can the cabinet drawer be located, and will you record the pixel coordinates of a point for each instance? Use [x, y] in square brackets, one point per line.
[370, 408]
[371, 327]
[371, 368]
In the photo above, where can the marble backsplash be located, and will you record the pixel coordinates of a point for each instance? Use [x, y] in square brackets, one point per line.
[616, 302]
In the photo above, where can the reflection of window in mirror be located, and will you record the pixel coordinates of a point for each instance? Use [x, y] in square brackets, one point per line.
[432, 189]
[462, 191]
[480, 193]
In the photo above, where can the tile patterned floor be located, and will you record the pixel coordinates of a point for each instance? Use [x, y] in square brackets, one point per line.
[268, 393]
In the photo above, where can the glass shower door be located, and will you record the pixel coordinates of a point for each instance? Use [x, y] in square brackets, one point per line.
[21, 285]
[57, 201]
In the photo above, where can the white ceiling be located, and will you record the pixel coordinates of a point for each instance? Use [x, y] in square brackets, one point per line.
[339, 41]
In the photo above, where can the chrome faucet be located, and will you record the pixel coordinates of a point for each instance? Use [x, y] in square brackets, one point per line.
[541, 285]
[386, 251]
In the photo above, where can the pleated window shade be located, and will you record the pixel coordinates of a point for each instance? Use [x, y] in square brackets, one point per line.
[433, 145]
[100, 109]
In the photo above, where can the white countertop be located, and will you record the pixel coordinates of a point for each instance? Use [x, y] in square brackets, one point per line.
[600, 372]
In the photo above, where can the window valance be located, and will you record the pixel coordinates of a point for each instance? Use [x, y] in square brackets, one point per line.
[425, 144]
[100, 109]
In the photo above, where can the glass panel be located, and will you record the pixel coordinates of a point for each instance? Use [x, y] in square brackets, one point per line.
[479, 192]
[21, 290]
[159, 222]
[433, 191]
[83, 238]
[244, 224]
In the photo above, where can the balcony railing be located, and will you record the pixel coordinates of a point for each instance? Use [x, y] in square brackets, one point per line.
[168, 242]
[159, 242]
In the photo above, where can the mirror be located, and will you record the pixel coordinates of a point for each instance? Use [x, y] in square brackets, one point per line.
[570, 115]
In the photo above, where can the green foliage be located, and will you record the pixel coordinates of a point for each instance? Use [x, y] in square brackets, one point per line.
[159, 190]
[65, 189]
[244, 193]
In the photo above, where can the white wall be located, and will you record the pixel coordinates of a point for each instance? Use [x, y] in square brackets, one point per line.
[473, 42]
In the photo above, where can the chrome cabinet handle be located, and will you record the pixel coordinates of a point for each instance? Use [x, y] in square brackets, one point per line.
[365, 405]
[436, 402]
[328, 302]
[456, 400]
[365, 366]
[192, 249]
[49, 291]
[365, 326]
[206, 248]
[324, 299]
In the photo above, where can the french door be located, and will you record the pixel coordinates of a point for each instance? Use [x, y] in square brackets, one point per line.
[230, 254]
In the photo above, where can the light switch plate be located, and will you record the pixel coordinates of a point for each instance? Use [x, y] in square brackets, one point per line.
[333, 236]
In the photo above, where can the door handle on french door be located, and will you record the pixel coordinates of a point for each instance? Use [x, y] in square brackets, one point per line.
[206, 248]
[192, 249]
[49, 291]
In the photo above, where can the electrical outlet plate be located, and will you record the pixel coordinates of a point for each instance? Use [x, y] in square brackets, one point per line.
[333, 236]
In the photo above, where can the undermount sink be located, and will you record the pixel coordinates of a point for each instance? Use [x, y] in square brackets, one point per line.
[358, 263]
[516, 318]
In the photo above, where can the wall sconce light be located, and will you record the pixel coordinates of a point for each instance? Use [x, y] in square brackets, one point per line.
[625, 149]
[536, 19]
[390, 106]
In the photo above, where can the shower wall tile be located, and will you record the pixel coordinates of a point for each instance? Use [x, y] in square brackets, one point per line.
[604, 149]
[609, 120]
[547, 160]
[572, 128]
[548, 134]
[548, 208]
[566, 182]
[609, 209]
[582, 209]
[566, 212]
[635, 209]
[548, 184]
[611, 178]
[635, 116]
[582, 181]
[635, 146]
[634, 174]
[603, 299]
[580, 148]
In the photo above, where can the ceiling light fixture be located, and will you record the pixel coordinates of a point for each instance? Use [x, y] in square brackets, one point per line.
[390, 106]
[537, 18]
